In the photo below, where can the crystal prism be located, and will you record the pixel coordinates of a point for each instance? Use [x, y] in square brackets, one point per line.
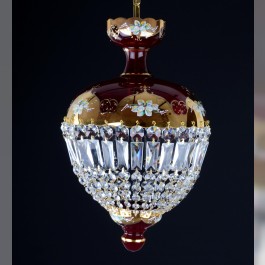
[180, 158]
[137, 155]
[166, 156]
[71, 149]
[152, 155]
[122, 154]
[198, 155]
[108, 154]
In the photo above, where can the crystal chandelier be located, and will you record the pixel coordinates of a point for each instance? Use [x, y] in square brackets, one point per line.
[136, 143]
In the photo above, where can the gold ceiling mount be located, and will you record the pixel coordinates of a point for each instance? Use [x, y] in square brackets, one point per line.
[136, 8]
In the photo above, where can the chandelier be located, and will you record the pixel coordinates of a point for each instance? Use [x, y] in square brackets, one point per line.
[136, 143]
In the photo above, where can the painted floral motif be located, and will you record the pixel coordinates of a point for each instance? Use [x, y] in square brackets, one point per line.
[108, 105]
[145, 108]
[199, 108]
[139, 27]
[80, 106]
[179, 107]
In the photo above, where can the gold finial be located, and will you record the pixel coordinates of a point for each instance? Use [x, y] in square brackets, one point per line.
[92, 121]
[65, 119]
[193, 123]
[154, 123]
[168, 124]
[137, 122]
[106, 122]
[207, 123]
[136, 8]
[80, 121]
[182, 123]
[202, 123]
[121, 121]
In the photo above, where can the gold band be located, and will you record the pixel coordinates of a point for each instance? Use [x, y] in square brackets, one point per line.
[123, 74]
[127, 240]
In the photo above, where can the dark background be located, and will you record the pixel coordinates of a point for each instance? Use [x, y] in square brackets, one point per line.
[60, 47]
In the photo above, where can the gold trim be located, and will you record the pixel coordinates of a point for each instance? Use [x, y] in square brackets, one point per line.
[115, 124]
[123, 74]
[128, 240]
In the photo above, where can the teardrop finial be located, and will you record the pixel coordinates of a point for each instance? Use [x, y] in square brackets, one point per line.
[136, 8]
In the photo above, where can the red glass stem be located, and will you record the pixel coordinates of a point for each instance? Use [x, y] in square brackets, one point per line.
[135, 60]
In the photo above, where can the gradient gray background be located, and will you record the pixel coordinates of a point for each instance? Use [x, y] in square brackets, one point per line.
[5, 131]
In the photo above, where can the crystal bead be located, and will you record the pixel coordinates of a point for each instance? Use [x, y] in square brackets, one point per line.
[112, 177]
[169, 134]
[148, 186]
[160, 187]
[136, 206]
[183, 133]
[82, 181]
[149, 176]
[137, 132]
[136, 197]
[122, 132]
[91, 130]
[153, 132]
[136, 187]
[124, 175]
[106, 132]
[127, 204]
[136, 176]
[145, 206]
[147, 196]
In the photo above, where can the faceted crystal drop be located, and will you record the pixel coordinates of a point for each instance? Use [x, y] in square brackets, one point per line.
[198, 155]
[122, 154]
[180, 158]
[108, 154]
[137, 155]
[166, 156]
[71, 149]
[94, 153]
[152, 155]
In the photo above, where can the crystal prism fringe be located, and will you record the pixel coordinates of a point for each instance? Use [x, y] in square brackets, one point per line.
[138, 169]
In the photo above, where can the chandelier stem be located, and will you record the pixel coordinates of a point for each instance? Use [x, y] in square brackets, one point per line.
[136, 61]
[136, 8]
